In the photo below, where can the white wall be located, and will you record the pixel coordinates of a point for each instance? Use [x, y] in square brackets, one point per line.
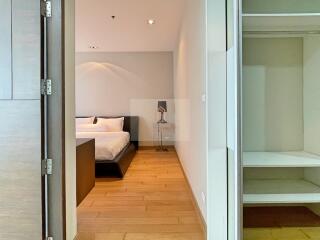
[126, 84]
[70, 139]
[273, 94]
[189, 86]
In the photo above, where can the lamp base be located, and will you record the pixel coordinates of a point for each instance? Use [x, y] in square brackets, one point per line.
[162, 121]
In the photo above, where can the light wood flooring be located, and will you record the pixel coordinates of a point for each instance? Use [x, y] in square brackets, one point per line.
[152, 202]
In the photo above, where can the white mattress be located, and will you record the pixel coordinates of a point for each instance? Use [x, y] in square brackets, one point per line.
[108, 144]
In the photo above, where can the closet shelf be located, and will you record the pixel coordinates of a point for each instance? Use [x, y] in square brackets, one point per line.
[281, 22]
[280, 159]
[280, 191]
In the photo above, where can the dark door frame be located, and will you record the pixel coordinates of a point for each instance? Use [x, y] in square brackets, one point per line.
[56, 122]
[60, 66]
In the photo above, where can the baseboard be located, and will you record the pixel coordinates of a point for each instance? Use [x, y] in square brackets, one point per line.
[147, 148]
[155, 147]
[76, 237]
[194, 201]
[154, 143]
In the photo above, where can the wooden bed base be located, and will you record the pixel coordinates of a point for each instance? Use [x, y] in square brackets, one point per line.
[119, 166]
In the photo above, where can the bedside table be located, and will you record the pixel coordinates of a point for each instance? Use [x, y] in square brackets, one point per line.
[162, 134]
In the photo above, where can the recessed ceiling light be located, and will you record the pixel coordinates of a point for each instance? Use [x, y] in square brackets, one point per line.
[151, 21]
[93, 47]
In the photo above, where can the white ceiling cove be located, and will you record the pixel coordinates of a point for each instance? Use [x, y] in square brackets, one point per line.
[129, 31]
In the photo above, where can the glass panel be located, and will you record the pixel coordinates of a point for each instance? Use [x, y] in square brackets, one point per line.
[230, 24]
[231, 142]
[231, 195]
[216, 109]
[234, 203]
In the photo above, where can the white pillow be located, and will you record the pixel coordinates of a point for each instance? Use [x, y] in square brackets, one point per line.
[88, 120]
[112, 124]
[91, 128]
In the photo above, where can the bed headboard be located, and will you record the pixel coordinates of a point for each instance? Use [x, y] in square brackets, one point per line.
[131, 125]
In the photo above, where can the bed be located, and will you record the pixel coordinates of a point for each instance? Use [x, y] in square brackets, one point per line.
[114, 150]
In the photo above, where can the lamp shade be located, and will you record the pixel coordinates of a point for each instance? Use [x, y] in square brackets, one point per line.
[162, 106]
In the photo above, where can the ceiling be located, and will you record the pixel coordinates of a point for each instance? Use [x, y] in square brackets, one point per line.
[129, 31]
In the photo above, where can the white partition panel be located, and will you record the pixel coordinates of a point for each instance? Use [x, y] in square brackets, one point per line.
[234, 164]
[216, 107]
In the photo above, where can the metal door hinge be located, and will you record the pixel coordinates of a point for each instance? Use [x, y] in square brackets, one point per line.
[47, 166]
[46, 9]
[46, 87]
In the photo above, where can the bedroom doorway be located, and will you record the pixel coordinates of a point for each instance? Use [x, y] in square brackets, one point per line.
[131, 179]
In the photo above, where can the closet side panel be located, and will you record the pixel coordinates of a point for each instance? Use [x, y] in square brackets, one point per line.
[281, 6]
[273, 95]
[312, 106]
[312, 94]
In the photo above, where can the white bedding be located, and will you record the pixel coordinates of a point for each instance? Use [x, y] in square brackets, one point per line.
[108, 144]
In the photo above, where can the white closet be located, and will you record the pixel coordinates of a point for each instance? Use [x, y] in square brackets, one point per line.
[281, 102]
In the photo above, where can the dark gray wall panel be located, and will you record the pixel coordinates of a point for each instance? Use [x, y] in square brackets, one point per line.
[26, 49]
[20, 170]
[5, 49]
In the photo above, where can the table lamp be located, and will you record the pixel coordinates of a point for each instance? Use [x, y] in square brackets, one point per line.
[162, 108]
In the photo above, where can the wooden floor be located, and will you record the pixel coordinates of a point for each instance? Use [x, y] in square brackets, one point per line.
[152, 202]
[303, 233]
